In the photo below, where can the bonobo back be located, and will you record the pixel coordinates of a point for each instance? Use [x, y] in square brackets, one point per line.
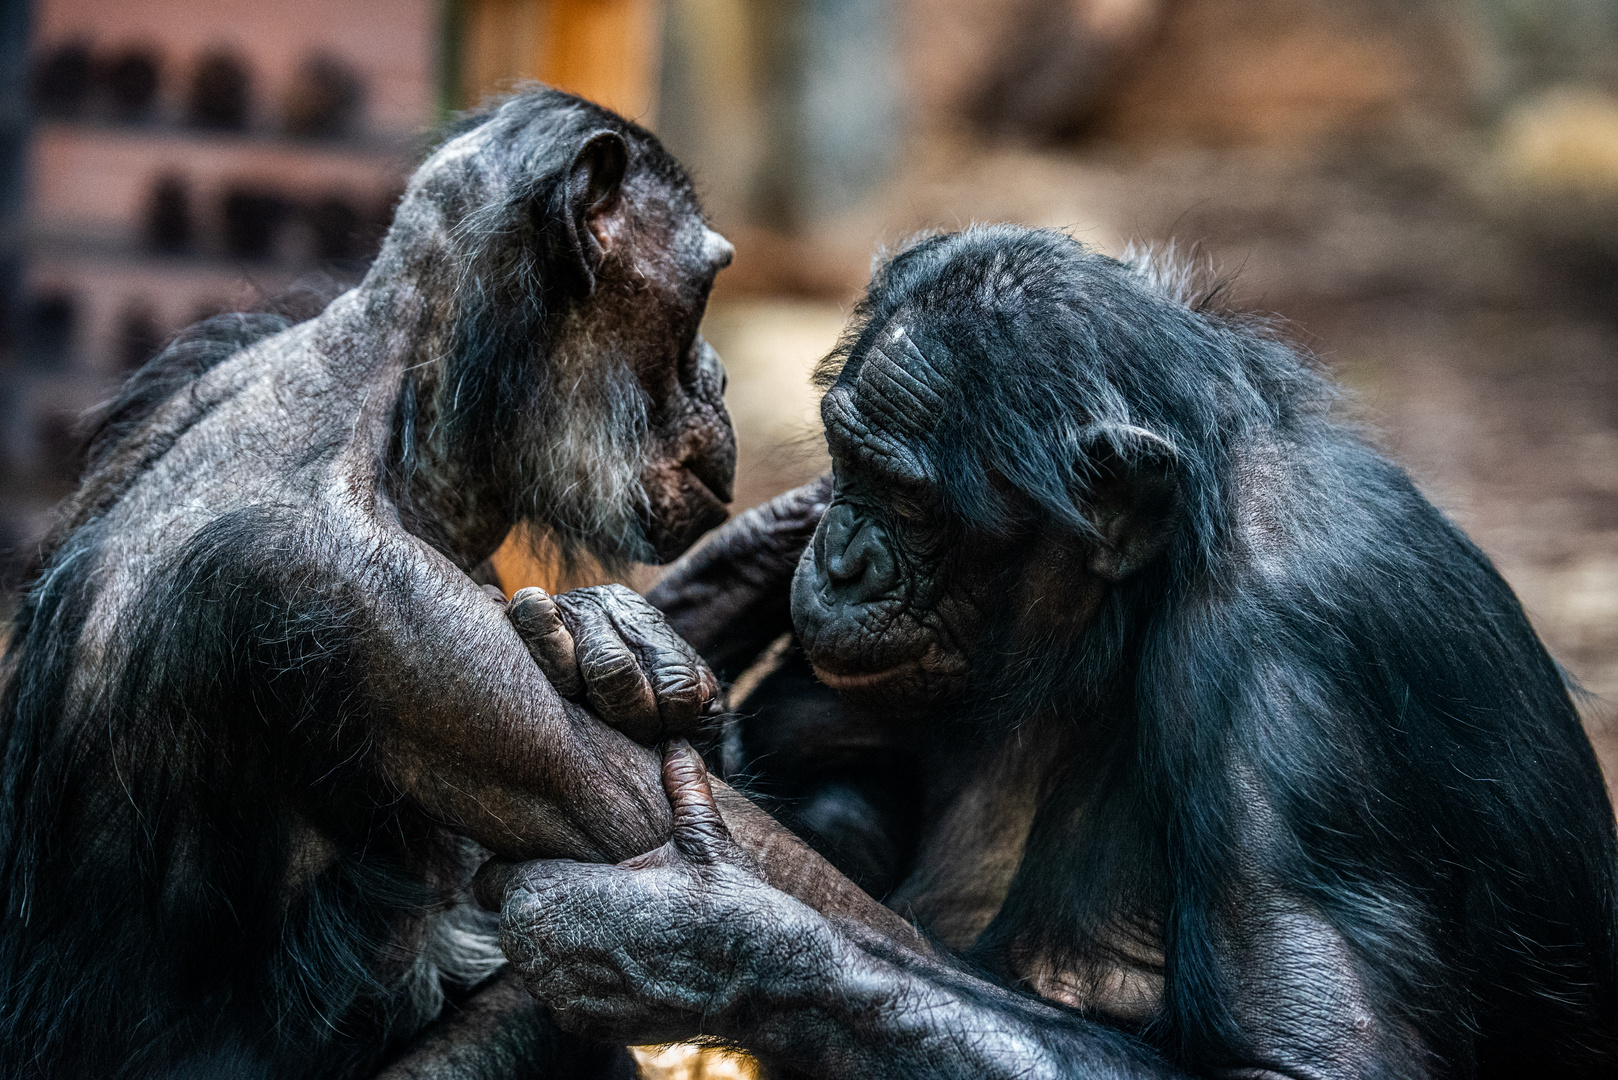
[170, 855]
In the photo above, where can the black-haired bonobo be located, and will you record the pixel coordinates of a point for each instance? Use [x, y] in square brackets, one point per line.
[1207, 743]
[256, 708]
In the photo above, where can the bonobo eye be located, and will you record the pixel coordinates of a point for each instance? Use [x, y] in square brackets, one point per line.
[909, 513]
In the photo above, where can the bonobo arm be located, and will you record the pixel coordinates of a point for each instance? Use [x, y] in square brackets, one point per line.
[469, 728]
[710, 950]
[688, 940]
[731, 597]
[500, 1033]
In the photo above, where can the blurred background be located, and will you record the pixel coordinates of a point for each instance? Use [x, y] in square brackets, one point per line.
[1426, 189]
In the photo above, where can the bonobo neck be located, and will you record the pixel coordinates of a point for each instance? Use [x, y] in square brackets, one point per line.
[445, 493]
[389, 339]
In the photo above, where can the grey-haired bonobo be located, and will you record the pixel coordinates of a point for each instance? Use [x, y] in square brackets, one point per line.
[256, 709]
[1206, 741]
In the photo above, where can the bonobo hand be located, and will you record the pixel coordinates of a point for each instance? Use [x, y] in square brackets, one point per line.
[660, 947]
[607, 647]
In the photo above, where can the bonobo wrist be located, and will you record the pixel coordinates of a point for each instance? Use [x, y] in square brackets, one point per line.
[782, 955]
[804, 987]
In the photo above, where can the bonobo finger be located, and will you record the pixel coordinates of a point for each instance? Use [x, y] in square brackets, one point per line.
[790, 518]
[699, 832]
[539, 623]
[684, 687]
[517, 888]
[615, 685]
[810, 500]
[492, 881]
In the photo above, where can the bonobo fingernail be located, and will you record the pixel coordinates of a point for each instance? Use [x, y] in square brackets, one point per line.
[536, 610]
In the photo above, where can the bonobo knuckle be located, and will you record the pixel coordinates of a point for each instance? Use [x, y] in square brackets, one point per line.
[623, 594]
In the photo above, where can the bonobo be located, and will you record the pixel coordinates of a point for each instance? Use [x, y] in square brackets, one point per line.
[256, 708]
[1171, 706]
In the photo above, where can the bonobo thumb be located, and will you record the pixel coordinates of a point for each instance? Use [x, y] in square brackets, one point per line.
[492, 882]
[699, 832]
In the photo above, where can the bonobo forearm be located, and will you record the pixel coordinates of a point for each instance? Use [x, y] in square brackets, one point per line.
[500, 1033]
[731, 597]
[838, 1003]
[793, 867]
[690, 940]
[476, 735]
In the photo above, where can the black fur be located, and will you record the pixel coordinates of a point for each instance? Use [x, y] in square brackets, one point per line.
[1318, 700]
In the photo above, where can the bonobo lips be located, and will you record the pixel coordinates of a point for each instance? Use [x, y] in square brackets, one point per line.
[865, 680]
[684, 504]
[718, 481]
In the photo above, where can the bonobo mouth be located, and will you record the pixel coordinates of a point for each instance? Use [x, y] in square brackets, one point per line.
[703, 489]
[673, 524]
[717, 480]
[866, 680]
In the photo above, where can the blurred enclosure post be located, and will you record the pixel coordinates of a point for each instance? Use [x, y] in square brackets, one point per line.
[604, 50]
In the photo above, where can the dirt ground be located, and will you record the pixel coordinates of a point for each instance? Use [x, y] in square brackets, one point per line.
[1481, 350]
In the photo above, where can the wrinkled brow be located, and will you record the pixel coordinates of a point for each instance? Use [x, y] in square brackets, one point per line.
[883, 410]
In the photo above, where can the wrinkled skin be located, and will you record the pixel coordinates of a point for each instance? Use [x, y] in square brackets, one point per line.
[607, 647]
[699, 870]
[688, 940]
[1185, 804]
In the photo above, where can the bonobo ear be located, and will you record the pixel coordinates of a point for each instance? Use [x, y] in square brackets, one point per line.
[594, 201]
[1134, 499]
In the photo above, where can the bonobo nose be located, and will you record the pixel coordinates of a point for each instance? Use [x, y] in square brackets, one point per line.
[855, 555]
[717, 249]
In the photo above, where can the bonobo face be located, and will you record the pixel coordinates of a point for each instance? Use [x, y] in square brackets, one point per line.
[892, 598]
[574, 363]
[654, 285]
[992, 487]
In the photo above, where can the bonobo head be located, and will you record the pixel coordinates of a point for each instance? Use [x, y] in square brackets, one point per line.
[564, 265]
[1003, 417]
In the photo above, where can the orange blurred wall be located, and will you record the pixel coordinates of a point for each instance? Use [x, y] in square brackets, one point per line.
[604, 50]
